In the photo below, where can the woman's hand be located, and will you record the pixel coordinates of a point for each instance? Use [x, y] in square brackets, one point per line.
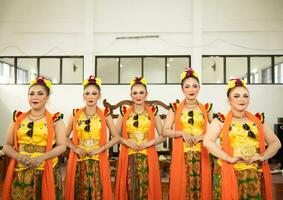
[254, 159]
[146, 144]
[188, 138]
[133, 145]
[24, 160]
[197, 139]
[234, 160]
[35, 162]
[95, 152]
[81, 152]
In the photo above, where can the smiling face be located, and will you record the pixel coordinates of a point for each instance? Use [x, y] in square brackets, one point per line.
[239, 98]
[37, 97]
[190, 88]
[138, 94]
[91, 95]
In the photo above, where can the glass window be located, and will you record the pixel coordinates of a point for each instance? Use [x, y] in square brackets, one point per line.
[107, 69]
[50, 68]
[261, 68]
[7, 70]
[175, 66]
[236, 67]
[72, 70]
[278, 68]
[212, 69]
[154, 69]
[129, 68]
[27, 70]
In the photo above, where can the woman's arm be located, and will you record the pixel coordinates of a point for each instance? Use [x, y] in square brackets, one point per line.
[273, 145]
[125, 141]
[80, 151]
[156, 140]
[168, 126]
[114, 139]
[60, 147]
[209, 142]
[9, 149]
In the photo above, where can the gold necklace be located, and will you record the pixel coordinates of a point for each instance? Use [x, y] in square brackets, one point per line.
[140, 113]
[35, 119]
[37, 115]
[191, 106]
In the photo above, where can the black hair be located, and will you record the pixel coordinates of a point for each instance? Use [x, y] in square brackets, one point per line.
[184, 79]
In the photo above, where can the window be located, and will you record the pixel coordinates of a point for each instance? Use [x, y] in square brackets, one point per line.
[175, 66]
[236, 67]
[50, 68]
[261, 70]
[212, 69]
[7, 75]
[26, 70]
[108, 70]
[129, 68]
[256, 69]
[278, 69]
[156, 69]
[59, 69]
[152, 67]
[72, 71]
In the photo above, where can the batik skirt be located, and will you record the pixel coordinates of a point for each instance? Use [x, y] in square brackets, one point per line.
[27, 184]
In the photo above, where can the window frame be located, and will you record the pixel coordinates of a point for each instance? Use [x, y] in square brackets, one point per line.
[248, 68]
[142, 66]
[61, 58]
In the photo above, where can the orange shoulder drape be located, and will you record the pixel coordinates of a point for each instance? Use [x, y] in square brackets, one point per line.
[103, 161]
[154, 187]
[178, 181]
[229, 184]
[47, 188]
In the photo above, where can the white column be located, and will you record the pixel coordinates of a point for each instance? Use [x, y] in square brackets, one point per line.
[197, 35]
[88, 38]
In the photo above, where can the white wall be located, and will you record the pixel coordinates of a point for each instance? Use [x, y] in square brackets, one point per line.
[185, 27]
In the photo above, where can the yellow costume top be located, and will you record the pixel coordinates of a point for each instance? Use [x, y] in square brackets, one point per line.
[32, 138]
[88, 130]
[138, 126]
[192, 123]
[244, 139]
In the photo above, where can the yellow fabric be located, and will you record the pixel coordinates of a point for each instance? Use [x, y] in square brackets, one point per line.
[240, 142]
[195, 129]
[138, 134]
[88, 140]
[39, 138]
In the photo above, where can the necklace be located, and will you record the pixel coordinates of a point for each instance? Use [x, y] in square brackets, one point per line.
[36, 118]
[191, 106]
[37, 115]
[139, 113]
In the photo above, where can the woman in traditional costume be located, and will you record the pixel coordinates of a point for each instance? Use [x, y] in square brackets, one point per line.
[190, 176]
[34, 141]
[138, 169]
[88, 172]
[242, 170]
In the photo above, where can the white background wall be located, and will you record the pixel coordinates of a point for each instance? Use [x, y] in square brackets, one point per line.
[185, 27]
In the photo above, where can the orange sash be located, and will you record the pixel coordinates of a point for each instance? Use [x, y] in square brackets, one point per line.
[229, 184]
[103, 161]
[178, 181]
[47, 188]
[154, 187]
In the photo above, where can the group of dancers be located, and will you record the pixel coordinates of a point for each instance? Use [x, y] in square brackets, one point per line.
[214, 155]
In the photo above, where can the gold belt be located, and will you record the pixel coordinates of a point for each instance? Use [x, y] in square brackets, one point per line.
[246, 150]
[89, 142]
[31, 148]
